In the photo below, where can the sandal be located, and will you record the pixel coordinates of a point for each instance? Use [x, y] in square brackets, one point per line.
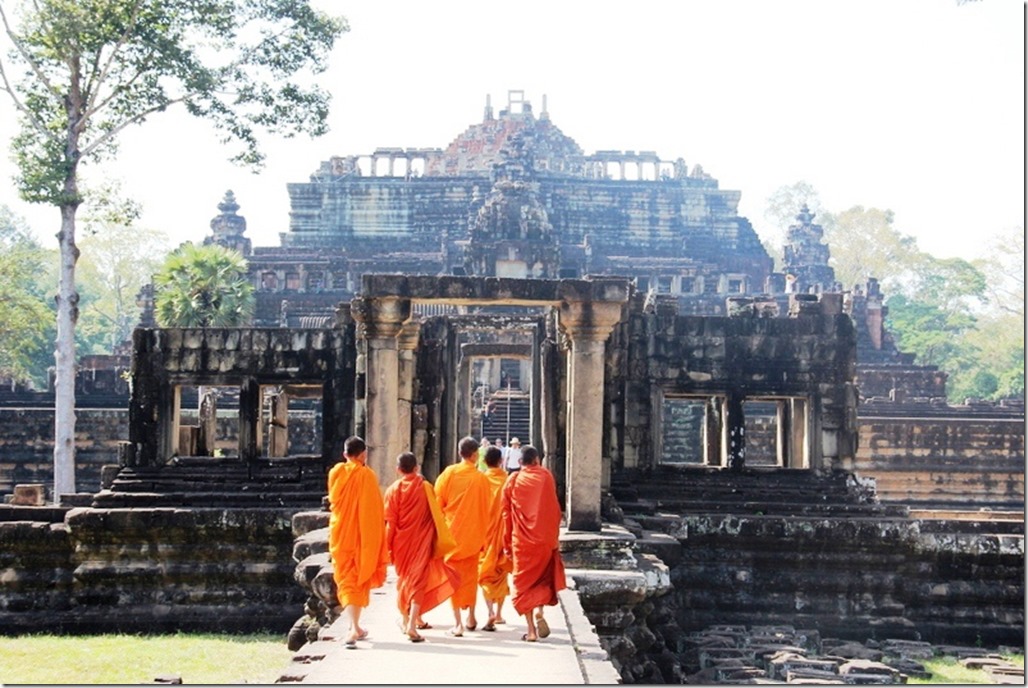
[350, 644]
[455, 633]
[544, 628]
[416, 638]
[363, 635]
[525, 637]
[489, 627]
[424, 625]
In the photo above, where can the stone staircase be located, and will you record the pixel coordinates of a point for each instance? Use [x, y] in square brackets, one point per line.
[496, 425]
[751, 491]
[291, 482]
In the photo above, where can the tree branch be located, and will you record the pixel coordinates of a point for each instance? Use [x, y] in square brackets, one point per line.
[114, 131]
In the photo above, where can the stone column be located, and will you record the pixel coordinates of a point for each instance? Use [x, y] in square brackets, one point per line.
[383, 317]
[278, 435]
[249, 419]
[588, 323]
[735, 432]
[407, 342]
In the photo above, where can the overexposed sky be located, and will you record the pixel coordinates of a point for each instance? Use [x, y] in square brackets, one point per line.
[912, 105]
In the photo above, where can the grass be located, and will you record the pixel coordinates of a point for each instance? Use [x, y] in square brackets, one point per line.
[949, 670]
[198, 658]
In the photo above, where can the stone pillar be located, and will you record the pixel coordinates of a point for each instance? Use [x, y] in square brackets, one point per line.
[735, 431]
[407, 342]
[383, 318]
[588, 325]
[249, 419]
[278, 433]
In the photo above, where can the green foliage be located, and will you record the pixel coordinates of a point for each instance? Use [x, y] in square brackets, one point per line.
[864, 243]
[24, 308]
[199, 658]
[118, 259]
[203, 286]
[89, 68]
[780, 210]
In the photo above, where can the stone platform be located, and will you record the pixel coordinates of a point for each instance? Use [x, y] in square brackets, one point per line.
[570, 655]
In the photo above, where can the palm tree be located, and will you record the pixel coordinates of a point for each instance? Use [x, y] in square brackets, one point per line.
[203, 286]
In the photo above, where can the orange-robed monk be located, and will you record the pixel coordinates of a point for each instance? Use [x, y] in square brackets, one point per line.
[356, 538]
[464, 496]
[494, 567]
[531, 533]
[423, 580]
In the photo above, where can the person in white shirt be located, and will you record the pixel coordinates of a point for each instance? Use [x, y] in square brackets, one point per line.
[512, 462]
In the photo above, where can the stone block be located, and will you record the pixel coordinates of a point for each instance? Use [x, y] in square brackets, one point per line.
[31, 494]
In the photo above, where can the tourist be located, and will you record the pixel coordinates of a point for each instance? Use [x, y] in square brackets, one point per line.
[480, 464]
[423, 580]
[357, 541]
[531, 532]
[495, 566]
[464, 495]
[512, 461]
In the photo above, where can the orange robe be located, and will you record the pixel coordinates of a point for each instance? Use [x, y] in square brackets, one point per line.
[356, 535]
[410, 538]
[464, 496]
[495, 566]
[531, 518]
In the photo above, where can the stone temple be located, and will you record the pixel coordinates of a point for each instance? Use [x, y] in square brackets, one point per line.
[737, 445]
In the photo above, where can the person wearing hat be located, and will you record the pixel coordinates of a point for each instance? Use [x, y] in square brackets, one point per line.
[513, 461]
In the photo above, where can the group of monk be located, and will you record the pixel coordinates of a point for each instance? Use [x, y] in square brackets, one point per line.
[473, 529]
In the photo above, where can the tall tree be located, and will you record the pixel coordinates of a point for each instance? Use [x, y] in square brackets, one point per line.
[203, 286]
[864, 243]
[81, 71]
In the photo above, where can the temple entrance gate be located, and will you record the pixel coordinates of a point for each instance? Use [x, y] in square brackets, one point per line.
[587, 310]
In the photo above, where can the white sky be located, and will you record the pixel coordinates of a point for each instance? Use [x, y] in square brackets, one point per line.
[912, 105]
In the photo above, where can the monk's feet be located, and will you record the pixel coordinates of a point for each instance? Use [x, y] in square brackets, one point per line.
[415, 637]
[529, 638]
[472, 623]
[456, 631]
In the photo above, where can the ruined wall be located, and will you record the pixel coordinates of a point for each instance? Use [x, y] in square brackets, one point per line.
[852, 578]
[27, 446]
[146, 570]
[956, 457]
[246, 358]
[811, 356]
[27, 454]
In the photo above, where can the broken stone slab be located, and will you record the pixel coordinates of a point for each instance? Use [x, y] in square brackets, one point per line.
[908, 667]
[852, 650]
[783, 666]
[820, 676]
[865, 666]
[909, 649]
[985, 662]
[856, 679]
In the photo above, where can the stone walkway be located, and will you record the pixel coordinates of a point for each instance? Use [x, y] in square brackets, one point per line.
[571, 655]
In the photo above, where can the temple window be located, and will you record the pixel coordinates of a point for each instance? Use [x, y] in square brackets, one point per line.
[269, 281]
[293, 281]
[315, 281]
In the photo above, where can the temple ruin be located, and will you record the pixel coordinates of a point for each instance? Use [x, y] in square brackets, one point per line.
[731, 444]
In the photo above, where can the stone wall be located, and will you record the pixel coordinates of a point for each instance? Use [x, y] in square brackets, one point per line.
[956, 459]
[26, 442]
[745, 357]
[853, 578]
[26, 446]
[146, 570]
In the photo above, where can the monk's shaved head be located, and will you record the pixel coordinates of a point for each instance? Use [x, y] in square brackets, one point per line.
[467, 447]
[354, 446]
[406, 462]
[493, 455]
[529, 455]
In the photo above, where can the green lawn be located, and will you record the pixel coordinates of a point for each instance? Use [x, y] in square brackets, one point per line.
[949, 670]
[195, 657]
